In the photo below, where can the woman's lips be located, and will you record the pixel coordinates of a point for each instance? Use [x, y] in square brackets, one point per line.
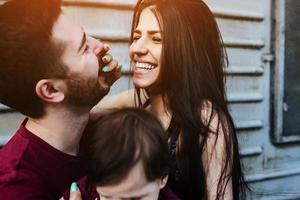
[143, 67]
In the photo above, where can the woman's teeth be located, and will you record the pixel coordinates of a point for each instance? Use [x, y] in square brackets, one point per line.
[146, 66]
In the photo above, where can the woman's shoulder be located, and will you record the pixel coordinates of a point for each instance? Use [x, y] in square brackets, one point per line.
[219, 130]
[205, 110]
[218, 148]
[213, 117]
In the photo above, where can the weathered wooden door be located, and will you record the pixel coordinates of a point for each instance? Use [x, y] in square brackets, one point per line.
[251, 37]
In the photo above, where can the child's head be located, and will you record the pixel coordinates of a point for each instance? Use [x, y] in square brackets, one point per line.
[127, 155]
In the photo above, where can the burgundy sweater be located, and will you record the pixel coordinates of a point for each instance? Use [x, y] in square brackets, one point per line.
[31, 169]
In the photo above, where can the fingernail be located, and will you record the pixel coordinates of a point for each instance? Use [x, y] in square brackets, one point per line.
[104, 59]
[106, 46]
[74, 187]
[105, 69]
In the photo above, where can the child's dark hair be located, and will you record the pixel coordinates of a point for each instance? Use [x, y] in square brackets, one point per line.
[116, 142]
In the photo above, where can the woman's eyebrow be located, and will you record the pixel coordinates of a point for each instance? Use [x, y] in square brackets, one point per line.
[151, 32]
[154, 32]
[137, 31]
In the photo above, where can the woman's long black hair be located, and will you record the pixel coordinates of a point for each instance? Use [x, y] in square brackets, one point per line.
[192, 79]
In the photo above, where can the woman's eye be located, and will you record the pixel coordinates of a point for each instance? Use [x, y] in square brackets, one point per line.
[156, 39]
[135, 38]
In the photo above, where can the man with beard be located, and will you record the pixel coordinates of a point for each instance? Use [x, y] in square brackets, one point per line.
[49, 71]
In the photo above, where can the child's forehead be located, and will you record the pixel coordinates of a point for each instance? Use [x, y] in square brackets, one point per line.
[135, 184]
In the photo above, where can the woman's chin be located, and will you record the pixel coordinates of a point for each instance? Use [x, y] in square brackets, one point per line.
[141, 84]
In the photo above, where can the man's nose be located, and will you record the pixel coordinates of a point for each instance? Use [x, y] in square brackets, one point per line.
[95, 45]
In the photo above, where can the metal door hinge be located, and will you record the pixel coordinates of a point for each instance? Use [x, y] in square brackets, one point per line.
[267, 57]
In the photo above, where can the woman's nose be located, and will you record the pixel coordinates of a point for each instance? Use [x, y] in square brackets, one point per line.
[139, 47]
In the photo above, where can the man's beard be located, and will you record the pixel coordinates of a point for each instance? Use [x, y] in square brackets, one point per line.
[84, 93]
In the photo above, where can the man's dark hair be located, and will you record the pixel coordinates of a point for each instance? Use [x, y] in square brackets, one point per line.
[116, 142]
[27, 52]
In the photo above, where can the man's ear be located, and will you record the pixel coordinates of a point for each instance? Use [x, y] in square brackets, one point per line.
[163, 181]
[51, 90]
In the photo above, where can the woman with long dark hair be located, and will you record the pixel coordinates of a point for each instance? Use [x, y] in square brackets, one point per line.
[178, 61]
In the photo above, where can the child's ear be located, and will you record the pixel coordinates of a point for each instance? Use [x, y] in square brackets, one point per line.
[51, 90]
[163, 181]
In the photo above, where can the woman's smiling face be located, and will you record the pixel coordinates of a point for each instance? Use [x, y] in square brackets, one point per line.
[145, 50]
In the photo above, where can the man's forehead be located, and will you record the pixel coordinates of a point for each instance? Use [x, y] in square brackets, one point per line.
[66, 31]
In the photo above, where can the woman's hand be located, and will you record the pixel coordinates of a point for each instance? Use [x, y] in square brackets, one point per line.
[74, 193]
[110, 70]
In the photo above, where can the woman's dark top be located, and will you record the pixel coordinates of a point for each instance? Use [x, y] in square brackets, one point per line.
[176, 180]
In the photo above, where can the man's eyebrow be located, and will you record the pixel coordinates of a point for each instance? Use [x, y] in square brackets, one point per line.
[83, 41]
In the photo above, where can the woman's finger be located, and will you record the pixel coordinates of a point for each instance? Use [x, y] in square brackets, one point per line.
[107, 58]
[103, 51]
[113, 64]
[74, 192]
